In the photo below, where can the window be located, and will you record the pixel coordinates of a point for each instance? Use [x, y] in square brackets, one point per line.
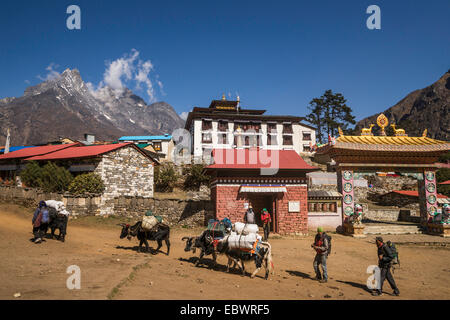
[287, 140]
[157, 146]
[271, 140]
[306, 148]
[223, 126]
[272, 128]
[206, 125]
[287, 128]
[256, 127]
[307, 136]
[222, 138]
[258, 141]
[247, 140]
[206, 138]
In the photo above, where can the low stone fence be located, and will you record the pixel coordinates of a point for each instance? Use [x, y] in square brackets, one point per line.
[391, 215]
[174, 212]
[189, 213]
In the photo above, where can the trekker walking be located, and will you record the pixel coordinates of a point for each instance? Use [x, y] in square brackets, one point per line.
[266, 220]
[249, 216]
[385, 258]
[321, 245]
[40, 222]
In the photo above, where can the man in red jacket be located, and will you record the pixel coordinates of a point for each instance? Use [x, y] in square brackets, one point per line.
[266, 220]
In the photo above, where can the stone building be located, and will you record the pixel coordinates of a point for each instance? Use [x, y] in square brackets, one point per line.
[124, 168]
[272, 179]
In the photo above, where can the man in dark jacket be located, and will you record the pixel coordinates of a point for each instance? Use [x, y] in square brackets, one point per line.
[385, 257]
[40, 222]
[321, 246]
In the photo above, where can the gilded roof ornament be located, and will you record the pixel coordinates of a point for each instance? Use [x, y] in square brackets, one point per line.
[367, 131]
[398, 132]
[382, 122]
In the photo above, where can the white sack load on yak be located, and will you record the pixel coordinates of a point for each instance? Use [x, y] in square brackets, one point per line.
[245, 228]
[58, 206]
[149, 221]
[242, 242]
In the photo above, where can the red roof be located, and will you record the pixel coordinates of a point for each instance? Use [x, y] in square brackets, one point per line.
[81, 152]
[414, 193]
[258, 159]
[445, 182]
[37, 151]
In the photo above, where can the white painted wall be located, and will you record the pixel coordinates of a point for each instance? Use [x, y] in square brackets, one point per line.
[298, 142]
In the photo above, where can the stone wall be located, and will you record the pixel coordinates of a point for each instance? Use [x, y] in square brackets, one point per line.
[174, 212]
[391, 215]
[190, 213]
[125, 172]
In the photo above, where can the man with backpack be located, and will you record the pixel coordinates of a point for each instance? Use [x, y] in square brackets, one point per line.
[40, 222]
[386, 257]
[266, 220]
[322, 245]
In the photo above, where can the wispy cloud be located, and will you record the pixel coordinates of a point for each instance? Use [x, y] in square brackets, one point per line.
[127, 70]
[51, 73]
[184, 115]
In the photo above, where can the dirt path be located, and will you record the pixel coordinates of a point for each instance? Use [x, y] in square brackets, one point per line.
[111, 268]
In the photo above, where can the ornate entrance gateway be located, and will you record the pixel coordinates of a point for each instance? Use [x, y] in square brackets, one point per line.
[363, 155]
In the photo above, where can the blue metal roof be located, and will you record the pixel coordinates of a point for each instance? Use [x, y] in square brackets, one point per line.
[138, 138]
[16, 148]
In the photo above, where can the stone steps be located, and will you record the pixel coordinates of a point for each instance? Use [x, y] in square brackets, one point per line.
[392, 229]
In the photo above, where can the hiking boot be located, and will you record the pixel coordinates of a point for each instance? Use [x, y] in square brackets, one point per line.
[38, 240]
[396, 292]
[323, 281]
[377, 293]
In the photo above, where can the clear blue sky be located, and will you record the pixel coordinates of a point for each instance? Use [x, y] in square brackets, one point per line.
[277, 55]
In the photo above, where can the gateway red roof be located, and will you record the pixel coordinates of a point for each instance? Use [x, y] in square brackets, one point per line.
[37, 151]
[258, 159]
[445, 182]
[81, 152]
[415, 193]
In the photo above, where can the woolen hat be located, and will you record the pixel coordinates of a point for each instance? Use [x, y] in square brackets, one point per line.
[319, 229]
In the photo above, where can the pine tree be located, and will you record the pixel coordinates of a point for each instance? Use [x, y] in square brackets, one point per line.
[328, 113]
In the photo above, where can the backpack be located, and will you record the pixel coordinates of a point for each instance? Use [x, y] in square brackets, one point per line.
[329, 243]
[325, 235]
[227, 223]
[394, 252]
